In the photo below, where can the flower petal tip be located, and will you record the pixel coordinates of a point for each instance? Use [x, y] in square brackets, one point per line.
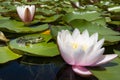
[107, 58]
[81, 71]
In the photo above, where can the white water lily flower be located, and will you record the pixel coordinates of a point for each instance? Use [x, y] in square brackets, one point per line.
[26, 12]
[80, 50]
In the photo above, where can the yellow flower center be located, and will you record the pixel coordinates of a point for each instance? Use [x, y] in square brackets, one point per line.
[74, 45]
[84, 47]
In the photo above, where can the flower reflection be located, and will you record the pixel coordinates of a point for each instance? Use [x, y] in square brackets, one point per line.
[66, 73]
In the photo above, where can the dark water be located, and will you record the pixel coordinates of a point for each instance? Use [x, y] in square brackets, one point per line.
[29, 68]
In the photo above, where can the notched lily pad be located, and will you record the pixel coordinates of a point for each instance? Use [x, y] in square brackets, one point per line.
[35, 45]
[19, 27]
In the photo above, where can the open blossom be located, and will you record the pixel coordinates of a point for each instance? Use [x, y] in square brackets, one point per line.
[81, 50]
[26, 12]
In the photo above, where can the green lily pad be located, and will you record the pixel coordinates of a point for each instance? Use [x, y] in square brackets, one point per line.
[99, 21]
[7, 55]
[104, 32]
[117, 52]
[19, 27]
[48, 19]
[114, 9]
[35, 45]
[86, 15]
[92, 28]
[110, 71]
[114, 23]
[111, 38]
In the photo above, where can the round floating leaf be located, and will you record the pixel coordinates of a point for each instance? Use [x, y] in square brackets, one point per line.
[35, 45]
[114, 23]
[7, 55]
[48, 19]
[108, 71]
[86, 15]
[114, 9]
[92, 28]
[104, 32]
[111, 38]
[116, 52]
[19, 27]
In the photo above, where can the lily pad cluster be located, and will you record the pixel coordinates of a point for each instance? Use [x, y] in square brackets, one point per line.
[97, 16]
[39, 37]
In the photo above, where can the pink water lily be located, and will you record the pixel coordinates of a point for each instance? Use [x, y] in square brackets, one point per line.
[81, 50]
[26, 12]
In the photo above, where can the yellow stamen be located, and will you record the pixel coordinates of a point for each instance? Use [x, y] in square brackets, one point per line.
[84, 47]
[46, 32]
[74, 45]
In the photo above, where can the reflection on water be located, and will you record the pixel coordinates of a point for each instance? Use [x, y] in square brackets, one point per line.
[52, 70]
[66, 73]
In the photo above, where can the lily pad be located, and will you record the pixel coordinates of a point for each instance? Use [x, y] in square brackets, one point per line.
[115, 23]
[117, 52]
[114, 9]
[48, 19]
[104, 32]
[92, 28]
[7, 55]
[35, 45]
[111, 38]
[19, 27]
[86, 15]
[110, 71]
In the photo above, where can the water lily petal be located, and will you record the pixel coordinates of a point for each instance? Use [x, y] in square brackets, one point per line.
[26, 12]
[67, 54]
[93, 39]
[65, 36]
[32, 10]
[75, 34]
[65, 49]
[95, 57]
[20, 11]
[85, 34]
[81, 70]
[78, 56]
[107, 58]
[99, 44]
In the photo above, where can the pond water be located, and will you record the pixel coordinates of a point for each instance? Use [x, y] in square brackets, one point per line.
[41, 69]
